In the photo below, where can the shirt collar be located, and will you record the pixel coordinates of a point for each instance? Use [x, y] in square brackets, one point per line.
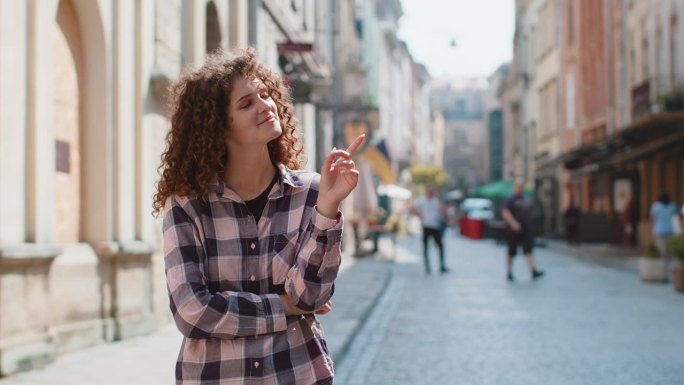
[288, 183]
[289, 177]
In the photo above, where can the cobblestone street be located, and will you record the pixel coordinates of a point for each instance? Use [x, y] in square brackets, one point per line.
[583, 323]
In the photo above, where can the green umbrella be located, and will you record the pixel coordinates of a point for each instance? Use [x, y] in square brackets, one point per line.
[496, 190]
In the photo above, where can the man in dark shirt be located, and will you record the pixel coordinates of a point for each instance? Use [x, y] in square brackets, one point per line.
[517, 213]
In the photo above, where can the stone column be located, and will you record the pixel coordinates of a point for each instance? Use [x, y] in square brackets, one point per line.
[127, 284]
[25, 341]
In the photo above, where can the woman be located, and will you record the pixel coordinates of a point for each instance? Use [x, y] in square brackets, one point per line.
[662, 214]
[252, 247]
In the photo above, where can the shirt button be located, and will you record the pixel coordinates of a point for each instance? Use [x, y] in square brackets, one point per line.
[252, 278]
[252, 246]
[256, 364]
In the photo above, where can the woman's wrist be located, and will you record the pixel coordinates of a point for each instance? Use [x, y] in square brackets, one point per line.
[328, 210]
[289, 306]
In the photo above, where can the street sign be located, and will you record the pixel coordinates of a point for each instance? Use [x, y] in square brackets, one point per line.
[291, 47]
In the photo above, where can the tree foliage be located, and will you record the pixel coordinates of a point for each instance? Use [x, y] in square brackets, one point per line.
[429, 175]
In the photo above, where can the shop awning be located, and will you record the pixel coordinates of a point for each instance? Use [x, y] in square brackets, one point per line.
[394, 191]
[644, 136]
[496, 190]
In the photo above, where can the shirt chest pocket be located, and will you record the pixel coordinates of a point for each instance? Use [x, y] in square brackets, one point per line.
[284, 249]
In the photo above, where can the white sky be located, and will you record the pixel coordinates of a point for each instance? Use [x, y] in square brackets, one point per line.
[483, 30]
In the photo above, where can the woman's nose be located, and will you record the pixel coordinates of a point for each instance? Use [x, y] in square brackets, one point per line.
[264, 105]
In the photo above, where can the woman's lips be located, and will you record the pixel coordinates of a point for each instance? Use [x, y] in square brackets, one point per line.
[270, 118]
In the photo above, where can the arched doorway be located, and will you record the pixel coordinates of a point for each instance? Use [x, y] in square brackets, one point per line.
[68, 65]
[213, 32]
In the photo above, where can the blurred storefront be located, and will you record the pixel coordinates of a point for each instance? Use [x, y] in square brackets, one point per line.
[636, 163]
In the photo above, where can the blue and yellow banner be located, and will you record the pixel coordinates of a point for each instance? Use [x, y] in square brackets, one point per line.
[377, 154]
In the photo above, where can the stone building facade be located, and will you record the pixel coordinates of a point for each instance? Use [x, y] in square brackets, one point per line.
[82, 128]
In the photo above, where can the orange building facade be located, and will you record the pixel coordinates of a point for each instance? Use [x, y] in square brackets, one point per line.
[622, 105]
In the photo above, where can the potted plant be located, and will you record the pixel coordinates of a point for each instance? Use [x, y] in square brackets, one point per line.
[675, 246]
[674, 100]
[669, 101]
[652, 267]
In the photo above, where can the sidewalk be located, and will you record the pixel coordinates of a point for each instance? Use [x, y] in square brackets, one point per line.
[356, 292]
[150, 360]
[604, 254]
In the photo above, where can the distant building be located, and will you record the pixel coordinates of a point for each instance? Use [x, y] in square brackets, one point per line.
[465, 133]
[548, 169]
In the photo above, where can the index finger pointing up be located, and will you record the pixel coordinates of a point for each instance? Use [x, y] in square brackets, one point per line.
[356, 144]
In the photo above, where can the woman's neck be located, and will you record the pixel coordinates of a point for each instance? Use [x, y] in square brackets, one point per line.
[249, 174]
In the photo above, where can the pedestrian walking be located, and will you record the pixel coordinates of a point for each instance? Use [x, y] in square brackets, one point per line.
[430, 210]
[571, 218]
[251, 243]
[663, 213]
[517, 212]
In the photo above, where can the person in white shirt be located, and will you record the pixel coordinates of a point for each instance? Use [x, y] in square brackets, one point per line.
[663, 214]
[431, 212]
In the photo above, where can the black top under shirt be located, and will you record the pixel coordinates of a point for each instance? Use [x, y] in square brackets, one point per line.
[256, 205]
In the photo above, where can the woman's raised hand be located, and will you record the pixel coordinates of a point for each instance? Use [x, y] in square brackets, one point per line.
[339, 177]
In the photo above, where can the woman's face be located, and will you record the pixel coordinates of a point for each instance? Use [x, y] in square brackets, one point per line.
[253, 114]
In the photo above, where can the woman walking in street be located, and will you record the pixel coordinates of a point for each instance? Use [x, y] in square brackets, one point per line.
[251, 244]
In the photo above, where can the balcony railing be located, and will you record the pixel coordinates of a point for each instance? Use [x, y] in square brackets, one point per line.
[658, 94]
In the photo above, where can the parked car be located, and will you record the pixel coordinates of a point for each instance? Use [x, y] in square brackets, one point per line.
[478, 208]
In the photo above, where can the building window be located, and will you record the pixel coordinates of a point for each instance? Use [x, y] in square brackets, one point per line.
[660, 64]
[212, 28]
[674, 51]
[532, 49]
[632, 59]
[62, 156]
[644, 60]
[570, 100]
[460, 107]
[571, 22]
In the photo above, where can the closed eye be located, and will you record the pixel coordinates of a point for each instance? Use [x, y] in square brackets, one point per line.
[246, 101]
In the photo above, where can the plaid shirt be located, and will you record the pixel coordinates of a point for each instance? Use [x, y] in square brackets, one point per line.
[225, 274]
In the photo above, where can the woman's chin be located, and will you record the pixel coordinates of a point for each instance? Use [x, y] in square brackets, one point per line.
[277, 130]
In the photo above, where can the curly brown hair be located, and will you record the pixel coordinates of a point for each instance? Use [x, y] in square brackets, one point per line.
[196, 151]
